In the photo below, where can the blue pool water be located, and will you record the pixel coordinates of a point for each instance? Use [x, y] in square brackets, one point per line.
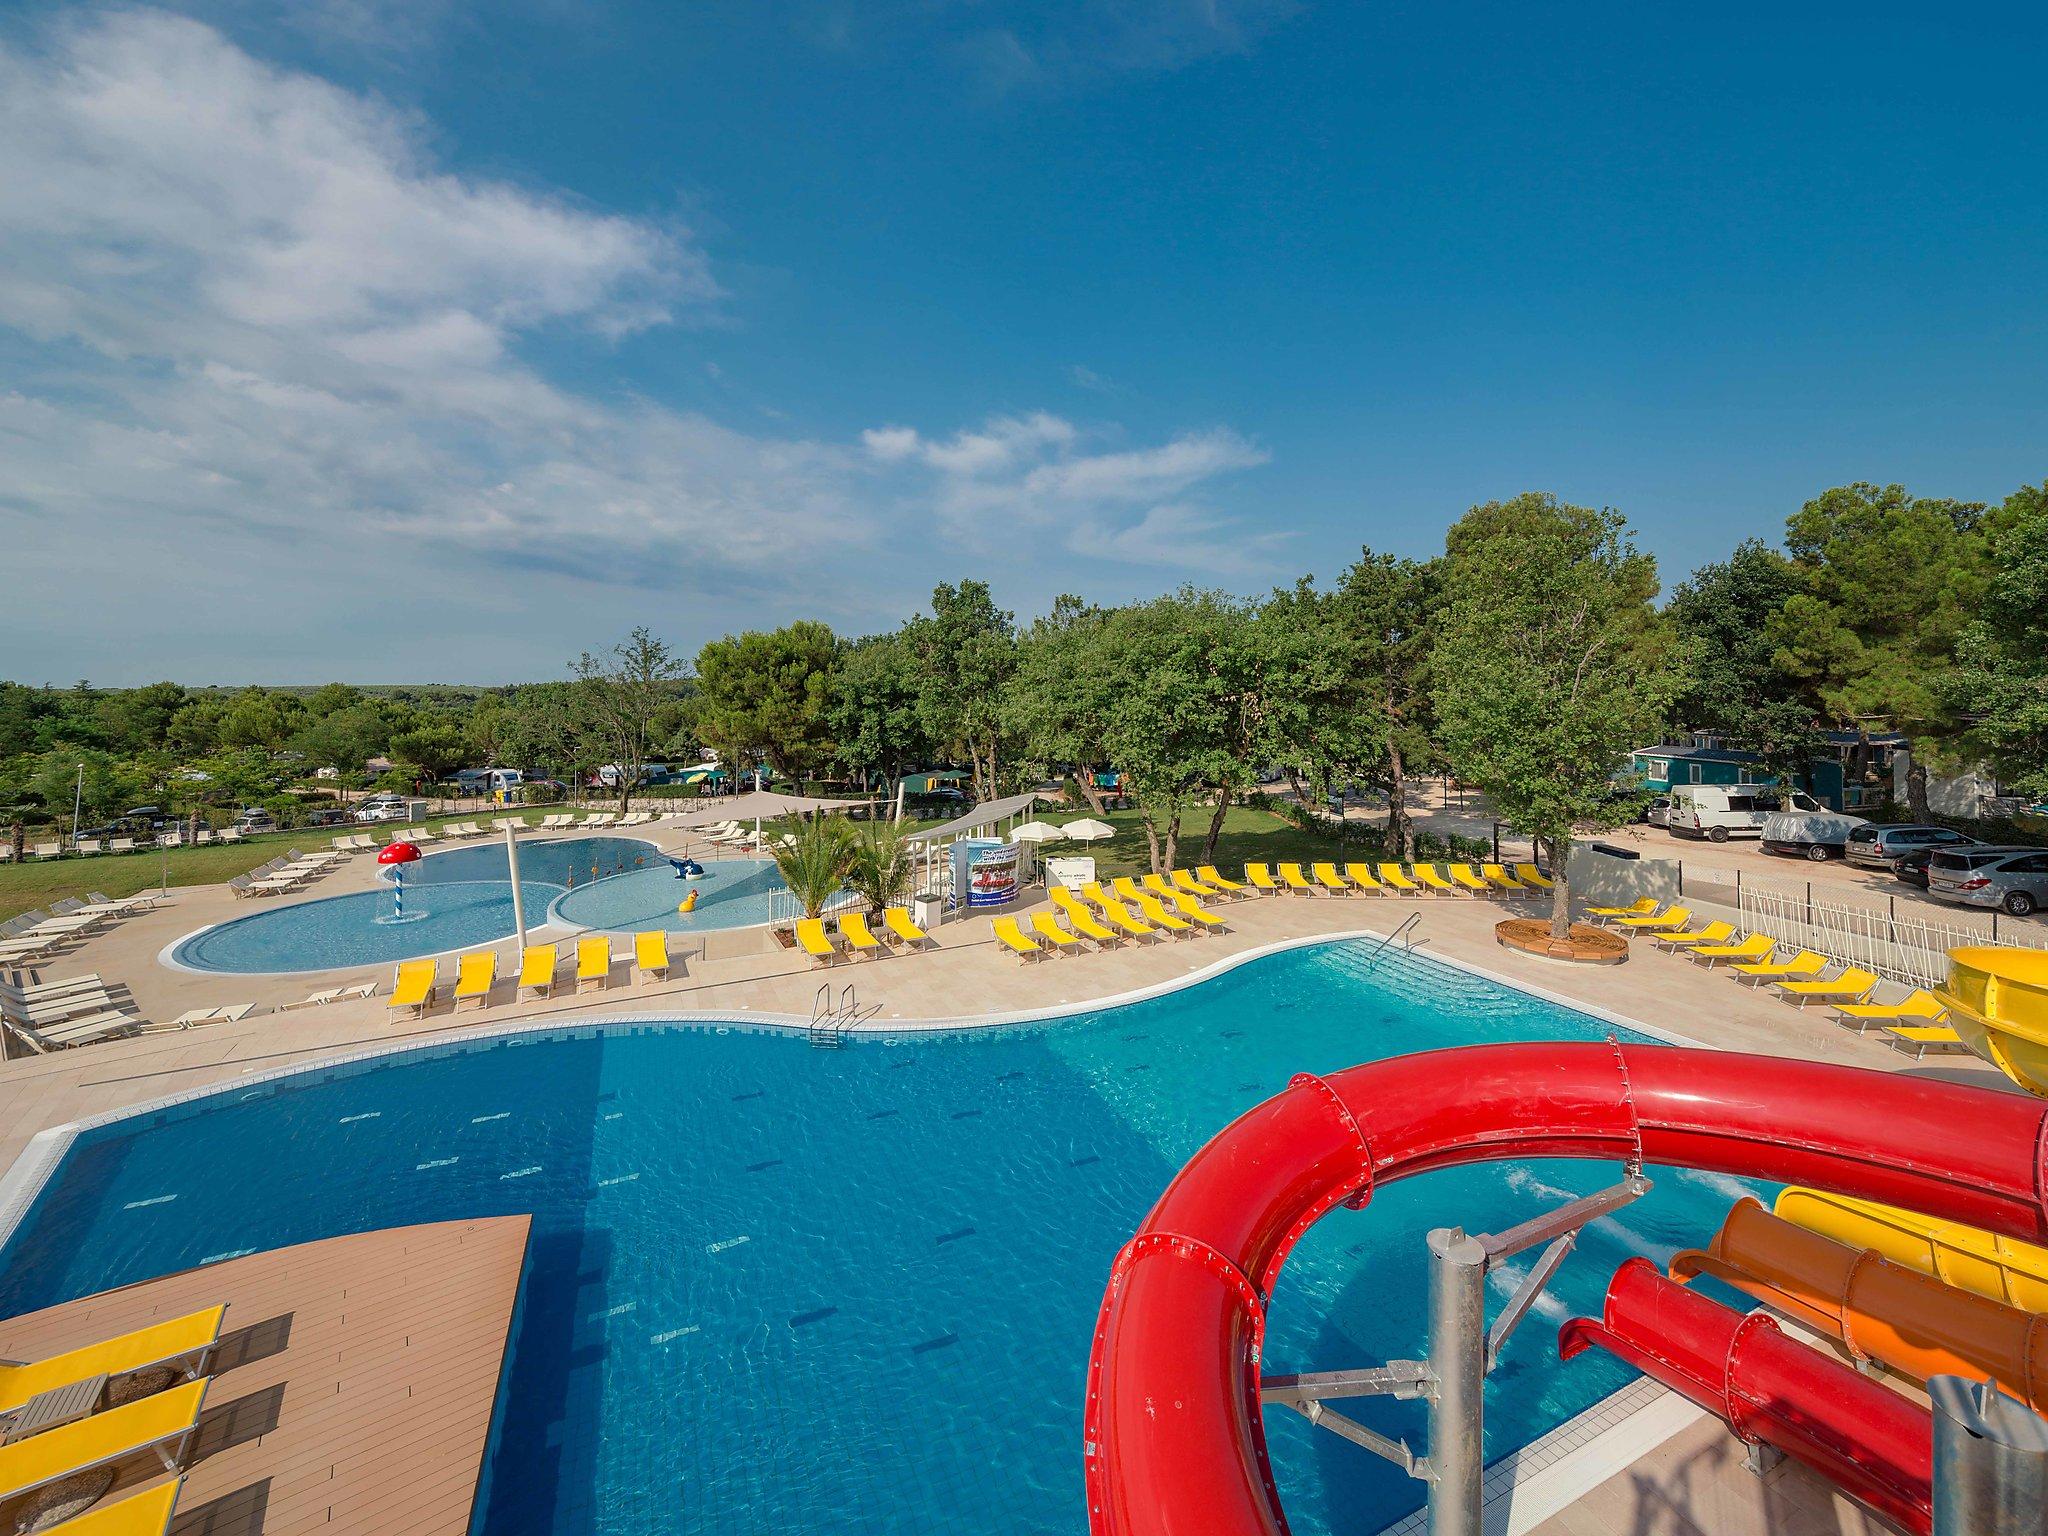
[732, 893]
[453, 899]
[774, 1288]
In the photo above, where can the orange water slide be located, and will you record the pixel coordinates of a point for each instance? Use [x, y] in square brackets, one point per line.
[1881, 1311]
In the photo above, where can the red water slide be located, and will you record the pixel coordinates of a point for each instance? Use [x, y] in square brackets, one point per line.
[1854, 1431]
[1174, 1440]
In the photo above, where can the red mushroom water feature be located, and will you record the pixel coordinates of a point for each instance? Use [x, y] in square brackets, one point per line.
[398, 855]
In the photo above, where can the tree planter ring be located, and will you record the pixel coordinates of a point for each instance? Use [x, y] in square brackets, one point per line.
[1586, 944]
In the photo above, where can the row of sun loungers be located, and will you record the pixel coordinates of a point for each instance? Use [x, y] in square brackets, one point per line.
[1390, 879]
[172, 838]
[856, 940]
[1915, 1023]
[36, 935]
[282, 876]
[416, 985]
[1159, 910]
[57, 1015]
[162, 1423]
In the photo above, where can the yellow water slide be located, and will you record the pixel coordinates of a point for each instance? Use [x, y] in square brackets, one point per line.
[1998, 1002]
[1909, 1321]
[1974, 1260]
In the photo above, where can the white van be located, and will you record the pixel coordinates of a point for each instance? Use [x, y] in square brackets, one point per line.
[1718, 812]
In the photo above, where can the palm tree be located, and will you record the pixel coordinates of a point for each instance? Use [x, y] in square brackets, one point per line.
[884, 865]
[814, 858]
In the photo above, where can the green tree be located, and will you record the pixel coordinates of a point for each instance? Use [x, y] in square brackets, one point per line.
[814, 858]
[258, 717]
[1999, 685]
[965, 651]
[436, 750]
[1060, 698]
[614, 701]
[872, 714]
[1166, 730]
[1890, 580]
[770, 692]
[1549, 665]
[1386, 609]
[882, 866]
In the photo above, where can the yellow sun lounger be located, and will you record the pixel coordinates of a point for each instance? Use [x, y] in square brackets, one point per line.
[1670, 920]
[1395, 878]
[1713, 933]
[147, 1424]
[860, 939]
[1159, 917]
[1638, 909]
[1852, 986]
[1198, 914]
[1756, 948]
[812, 939]
[1807, 962]
[1361, 875]
[1045, 926]
[1122, 918]
[1015, 940]
[1183, 881]
[1327, 877]
[1209, 874]
[1501, 878]
[1922, 1038]
[1431, 876]
[593, 962]
[1164, 888]
[189, 1338]
[650, 953]
[1921, 1007]
[896, 921]
[536, 970]
[1260, 878]
[1529, 874]
[413, 985]
[1292, 877]
[1126, 889]
[145, 1514]
[1084, 922]
[475, 975]
[1470, 878]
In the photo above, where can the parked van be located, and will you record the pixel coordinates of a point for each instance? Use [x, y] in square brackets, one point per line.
[1718, 812]
[1815, 835]
[478, 781]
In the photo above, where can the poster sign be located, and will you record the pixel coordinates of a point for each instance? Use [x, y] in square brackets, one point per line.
[985, 872]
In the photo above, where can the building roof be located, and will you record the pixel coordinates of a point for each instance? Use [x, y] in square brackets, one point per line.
[987, 814]
[1700, 754]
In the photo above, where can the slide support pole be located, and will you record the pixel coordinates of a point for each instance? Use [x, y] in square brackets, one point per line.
[1990, 1461]
[1457, 1365]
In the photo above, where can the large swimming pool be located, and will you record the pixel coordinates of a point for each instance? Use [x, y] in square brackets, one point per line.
[463, 897]
[777, 1288]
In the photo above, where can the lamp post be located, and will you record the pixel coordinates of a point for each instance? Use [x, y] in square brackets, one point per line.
[77, 801]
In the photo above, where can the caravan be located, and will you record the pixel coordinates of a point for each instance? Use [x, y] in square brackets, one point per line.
[1718, 812]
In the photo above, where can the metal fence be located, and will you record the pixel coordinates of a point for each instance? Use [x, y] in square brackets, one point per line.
[1910, 949]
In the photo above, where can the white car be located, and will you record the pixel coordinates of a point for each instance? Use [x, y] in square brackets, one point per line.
[381, 808]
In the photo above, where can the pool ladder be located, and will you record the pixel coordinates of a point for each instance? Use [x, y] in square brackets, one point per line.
[1401, 933]
[829, 1022]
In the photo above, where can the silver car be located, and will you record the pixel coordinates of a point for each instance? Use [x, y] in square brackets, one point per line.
[1876, 847]
[2015, 880]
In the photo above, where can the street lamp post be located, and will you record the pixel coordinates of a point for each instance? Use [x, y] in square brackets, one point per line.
[77, 801]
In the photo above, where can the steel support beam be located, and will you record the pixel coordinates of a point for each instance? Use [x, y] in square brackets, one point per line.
[1457, 1364]
[1990, 1461]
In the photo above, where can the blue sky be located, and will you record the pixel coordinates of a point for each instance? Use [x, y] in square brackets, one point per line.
[439, 341]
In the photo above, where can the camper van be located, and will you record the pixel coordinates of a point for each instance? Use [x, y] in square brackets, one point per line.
[481, 781]
[1718, 812]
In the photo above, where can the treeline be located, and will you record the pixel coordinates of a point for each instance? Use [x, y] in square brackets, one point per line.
[1527, 659]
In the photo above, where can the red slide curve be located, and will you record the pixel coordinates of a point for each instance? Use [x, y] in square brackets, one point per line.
[1174, 1440]
[1770, 1388]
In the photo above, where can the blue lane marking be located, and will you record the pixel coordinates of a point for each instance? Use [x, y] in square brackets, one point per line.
[818, 1315]
[941, 1342]
[673, 1333]
[954, 1237]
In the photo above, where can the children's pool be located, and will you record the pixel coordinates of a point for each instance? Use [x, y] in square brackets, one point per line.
[453, 899]
[777, 1288]
[731, 893]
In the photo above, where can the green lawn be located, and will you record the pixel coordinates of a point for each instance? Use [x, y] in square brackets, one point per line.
[1260, 836]
[39, 882]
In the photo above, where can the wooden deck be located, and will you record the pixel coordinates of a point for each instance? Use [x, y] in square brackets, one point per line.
[354, 1386]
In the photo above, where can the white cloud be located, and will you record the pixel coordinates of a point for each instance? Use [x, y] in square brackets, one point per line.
[1031, 473]
[273, 360]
